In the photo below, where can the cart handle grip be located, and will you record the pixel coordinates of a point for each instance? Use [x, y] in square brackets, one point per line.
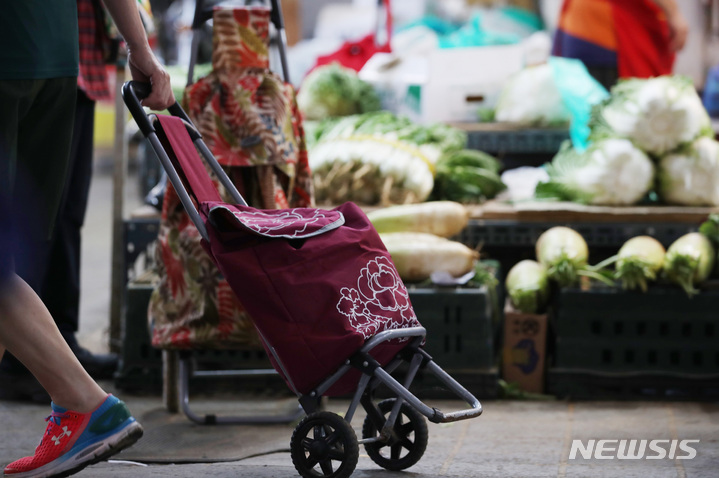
[135, 91]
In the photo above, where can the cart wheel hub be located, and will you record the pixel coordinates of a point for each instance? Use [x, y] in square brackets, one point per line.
[319, 449]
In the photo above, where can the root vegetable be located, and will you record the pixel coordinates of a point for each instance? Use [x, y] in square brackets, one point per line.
[442, 218]
[528, 286]
[417, 255]
[639, 260]
[689, 261]
[564, 252]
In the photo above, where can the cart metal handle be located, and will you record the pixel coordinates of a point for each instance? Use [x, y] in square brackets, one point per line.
[132, 93]
[433, 414]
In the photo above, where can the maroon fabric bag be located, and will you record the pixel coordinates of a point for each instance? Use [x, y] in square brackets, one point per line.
[317, 283]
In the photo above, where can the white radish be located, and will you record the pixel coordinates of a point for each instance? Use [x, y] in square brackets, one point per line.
[417, 255]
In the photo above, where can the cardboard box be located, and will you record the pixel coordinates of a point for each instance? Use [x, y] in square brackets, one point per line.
[524, 349]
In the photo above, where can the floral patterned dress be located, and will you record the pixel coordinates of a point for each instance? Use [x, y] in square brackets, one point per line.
[249, 119]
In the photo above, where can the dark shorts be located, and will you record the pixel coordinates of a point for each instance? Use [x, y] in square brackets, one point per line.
[36, 122]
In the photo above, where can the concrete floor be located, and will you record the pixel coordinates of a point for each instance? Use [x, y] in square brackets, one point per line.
[511, 439]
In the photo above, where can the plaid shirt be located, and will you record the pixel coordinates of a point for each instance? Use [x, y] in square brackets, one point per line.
[93, 78]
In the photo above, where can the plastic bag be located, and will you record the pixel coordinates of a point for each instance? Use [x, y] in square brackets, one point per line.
[580, 92]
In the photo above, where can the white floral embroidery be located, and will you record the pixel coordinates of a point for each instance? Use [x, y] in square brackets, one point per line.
[380, 301]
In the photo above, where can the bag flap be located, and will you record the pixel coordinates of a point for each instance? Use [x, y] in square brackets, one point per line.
[297, 223]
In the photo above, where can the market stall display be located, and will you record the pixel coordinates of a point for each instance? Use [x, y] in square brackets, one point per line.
[646, 129]
[382, 159]
[611, 214]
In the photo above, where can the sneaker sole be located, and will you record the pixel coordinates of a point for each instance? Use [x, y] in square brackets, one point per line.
[88, 456]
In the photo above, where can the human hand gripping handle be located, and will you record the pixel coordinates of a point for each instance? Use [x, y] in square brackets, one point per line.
[144, 66]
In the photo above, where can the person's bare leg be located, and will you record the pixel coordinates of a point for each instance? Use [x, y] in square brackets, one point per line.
[29, 333]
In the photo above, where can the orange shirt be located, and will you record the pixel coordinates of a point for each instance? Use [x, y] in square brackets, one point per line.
[630, 35]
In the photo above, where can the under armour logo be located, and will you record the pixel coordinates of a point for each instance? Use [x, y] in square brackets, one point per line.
[65, 433]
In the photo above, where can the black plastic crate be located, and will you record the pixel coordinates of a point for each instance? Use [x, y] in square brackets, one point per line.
[513, 234]
[459, 323]
[140, 366]
[611, 343]
[612, 330]
[521, 141]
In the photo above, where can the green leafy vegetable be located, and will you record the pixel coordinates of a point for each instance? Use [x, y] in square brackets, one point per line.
[333, 90]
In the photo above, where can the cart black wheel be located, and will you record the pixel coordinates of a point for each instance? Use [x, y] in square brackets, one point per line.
[407, 442]
[324, 445]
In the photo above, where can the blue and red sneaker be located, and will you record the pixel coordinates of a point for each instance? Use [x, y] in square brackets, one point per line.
[74, 440]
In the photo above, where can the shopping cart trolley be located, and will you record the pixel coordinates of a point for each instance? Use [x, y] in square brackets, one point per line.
[326, 300]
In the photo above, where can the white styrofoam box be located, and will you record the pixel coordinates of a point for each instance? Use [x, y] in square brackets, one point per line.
[463, 80]
[444, 85]
[398, 81]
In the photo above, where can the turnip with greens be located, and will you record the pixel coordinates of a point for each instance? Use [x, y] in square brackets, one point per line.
[528, 286]
[689, 261]
[639, 260]
[564, 252]
[710, 228]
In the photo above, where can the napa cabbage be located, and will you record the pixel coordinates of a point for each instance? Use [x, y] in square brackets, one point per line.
[609, 172]
[658, 114]
[690, 177]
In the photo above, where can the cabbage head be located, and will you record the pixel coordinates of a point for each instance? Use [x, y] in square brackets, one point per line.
[691, 177]
[333, 90]
[609, 172]
[658, 114]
